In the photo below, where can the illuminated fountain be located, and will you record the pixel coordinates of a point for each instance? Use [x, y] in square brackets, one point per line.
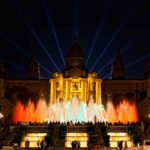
[75, 95]
[75, 111]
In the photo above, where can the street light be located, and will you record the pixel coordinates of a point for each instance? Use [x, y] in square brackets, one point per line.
[1, 115]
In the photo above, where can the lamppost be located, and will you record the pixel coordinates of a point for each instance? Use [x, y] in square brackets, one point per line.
[1, 115]
[149, 117]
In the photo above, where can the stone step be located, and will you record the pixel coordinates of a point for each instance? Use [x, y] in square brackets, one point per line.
[21, 148]
[79, 149]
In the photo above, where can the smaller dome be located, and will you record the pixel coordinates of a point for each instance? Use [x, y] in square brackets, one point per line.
[75, 61]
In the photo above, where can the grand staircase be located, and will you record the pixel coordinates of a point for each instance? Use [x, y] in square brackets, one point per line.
[9, 139]
[99, 138]
[57, 135]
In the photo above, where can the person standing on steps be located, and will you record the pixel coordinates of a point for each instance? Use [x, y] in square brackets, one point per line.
[27, 144]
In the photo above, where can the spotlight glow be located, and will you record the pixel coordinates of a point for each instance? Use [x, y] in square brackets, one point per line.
[137, 60]
[100, 24]
[15, 45]
[38, 39]
[13, 64]
[53, 31]
[114, 36]
[23, 51]
[76, 17]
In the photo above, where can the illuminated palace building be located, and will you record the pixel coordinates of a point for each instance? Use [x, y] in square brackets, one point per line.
[75, 96]
[75, 79]
[76, 88]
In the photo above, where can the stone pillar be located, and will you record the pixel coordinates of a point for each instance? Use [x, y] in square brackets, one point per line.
[83, 90]
[60, 81]
[98, 91]
[67, 90]
[52, 91]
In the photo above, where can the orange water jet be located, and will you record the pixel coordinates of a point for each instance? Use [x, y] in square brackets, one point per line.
[123, 112]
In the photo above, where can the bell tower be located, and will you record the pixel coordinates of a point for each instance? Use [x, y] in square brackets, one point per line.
[117, 67]
[33, 71]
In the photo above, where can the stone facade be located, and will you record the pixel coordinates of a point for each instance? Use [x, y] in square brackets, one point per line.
[137, 90]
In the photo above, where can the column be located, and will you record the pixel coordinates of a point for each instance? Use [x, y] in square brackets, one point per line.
[83, 90]
[98, 91]
[67, 90]
[52, 91]
[61, 90]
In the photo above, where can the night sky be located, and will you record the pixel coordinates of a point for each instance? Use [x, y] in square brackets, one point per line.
[47, 28]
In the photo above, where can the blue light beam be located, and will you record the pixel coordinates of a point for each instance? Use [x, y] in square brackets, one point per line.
[126, 47]
[115, 34]
[13, 64]
[106, 65]
[136, 61]
[107, 76]
[76, 18]
[45, 69]
[53, 31]
[14, 44]
[100, 24]
[37, 38]
[135, 39]
[129, 65]
[20, 49]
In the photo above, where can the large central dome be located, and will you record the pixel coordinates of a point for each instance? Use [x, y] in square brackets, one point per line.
[75, 61]
[75, 51]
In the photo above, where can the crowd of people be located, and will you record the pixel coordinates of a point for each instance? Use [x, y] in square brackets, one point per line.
[10, 123]
[5, 129]
[40, 144]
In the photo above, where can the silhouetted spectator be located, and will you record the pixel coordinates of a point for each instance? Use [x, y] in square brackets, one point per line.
[27, 144]
[120, 145]
[78, 145]
[125, 145]
[42, 144]
[73, 144]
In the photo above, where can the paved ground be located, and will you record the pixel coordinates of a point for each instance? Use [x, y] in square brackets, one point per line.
[11, 148]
